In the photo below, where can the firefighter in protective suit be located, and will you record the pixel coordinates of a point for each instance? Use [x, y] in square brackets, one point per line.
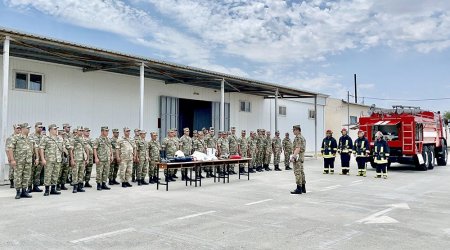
[361, 151]
[328, 150]
[345, 150]
[380, 155]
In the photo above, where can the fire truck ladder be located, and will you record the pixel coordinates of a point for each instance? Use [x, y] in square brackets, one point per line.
[408, 137]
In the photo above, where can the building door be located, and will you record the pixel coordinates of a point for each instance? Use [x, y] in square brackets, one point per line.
[168, 113]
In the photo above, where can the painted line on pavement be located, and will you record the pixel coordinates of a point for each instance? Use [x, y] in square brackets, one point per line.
[331, 187]
[195, 215]
[357, 181]
[104, 235]
[257, 202]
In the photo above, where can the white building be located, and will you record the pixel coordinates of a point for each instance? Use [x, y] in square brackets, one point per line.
[56, 82]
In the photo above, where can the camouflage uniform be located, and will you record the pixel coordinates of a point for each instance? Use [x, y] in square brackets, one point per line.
[11, 169]
[243, 149]
[155, 157]
[23, 148]
[79, 156]
[36, 169]
[53, 150]
[135, 163]
[89, 142]
[104, 153]
[287, 147]
[268, 151]
[299, 142]
[126, 147]
[276, 149]
[143, 153]
[252, 150]
[186, 145]
[260, 141]
[199, 145]
[171, 146]
[114, 168]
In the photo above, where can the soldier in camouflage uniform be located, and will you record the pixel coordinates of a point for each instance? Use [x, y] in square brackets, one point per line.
[64, 171]
[142, 148]
[126, 155]
[51, 150]
[268, 153]
[79, 155]
[17, 131]
[298, 157]
[114, 169]
[211, 141]
[233, 143]
[199, 145]
[20, 155]
[135, 163]
[69, 137]
[259, 151]
[103, 154]
[89, 144]
[36, 168]
[223, 148]
[276, 149]
[243, 150]
[252, 151]
[287, 148]
[185, 146]
[171, 145]
[155, 157]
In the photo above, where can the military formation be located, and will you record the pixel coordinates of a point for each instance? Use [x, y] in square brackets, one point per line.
[360, 148]
[65, 156]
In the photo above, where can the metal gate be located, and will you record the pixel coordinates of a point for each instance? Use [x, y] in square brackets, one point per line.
[216, 116]
[168, 113]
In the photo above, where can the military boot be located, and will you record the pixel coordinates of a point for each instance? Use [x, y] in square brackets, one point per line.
[30, 189]
[151, 180]
[128, 184]
[124, 185]
[53, 191]
[25, 194]
[99, 187]
[11, 185]
[139, 182]
[36, 189]
[47, 191]
[87, 184]
[105, 187]
[58, 187]
[17, 194]
[251, 170]
[80, 188]
[304, 188]
[75, 188]
[63, 187]
[110, 182]
[133, 179]
[298, 190]
[143, 182]
[115, 182]
[277, 168]
[288, 168]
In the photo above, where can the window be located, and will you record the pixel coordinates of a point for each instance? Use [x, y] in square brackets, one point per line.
[282, 110]
[311, 114]
[353, 120]
[29, 81]
[245, 106]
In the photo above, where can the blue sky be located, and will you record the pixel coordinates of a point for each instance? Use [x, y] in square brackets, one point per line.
[399, 49]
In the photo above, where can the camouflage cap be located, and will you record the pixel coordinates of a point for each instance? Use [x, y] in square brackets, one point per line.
[200, 133]
[296, 127]
[153, 133]
[115, 130]
[220, 132]
[38, 124]
[80, 128]
[52, 126]
[186, 129]
[286, 133]
[104, 128]
[142, 132]
[203, 129]
[66, 125]
[233, 128]
[75, 130]
[87, 129]
[277, 132]
[211, 128]
[61, 132]
[16, 126]
[175, 129]
[136, 130]
[126, 129]
[25, 125]
[195, 132]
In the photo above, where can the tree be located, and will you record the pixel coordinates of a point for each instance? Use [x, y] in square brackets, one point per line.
[447, 115]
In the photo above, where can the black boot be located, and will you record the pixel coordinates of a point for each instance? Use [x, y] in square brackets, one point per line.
[251, 170]
[133, 179]
[47, 191]
[58, 187]
[143, 182]
[267, 168]
[36, 189]
[139, 182]
[87, 184]
[11, 185]
[288, 168]
[110, 182]
[53, 191]
[124, 185]
[151, 180]
[30, 189]
[99, 187]
[63, 187]
[128, 184]
[277, 168]
[17, 194]
[25, 194]
[303, 189]
[105, 187]
[75, 188]
[259, 169]
[115, 182]
[80, 188]
[298, 190]
[201, 176]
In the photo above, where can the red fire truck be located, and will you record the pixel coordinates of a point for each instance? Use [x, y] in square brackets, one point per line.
[414, 136]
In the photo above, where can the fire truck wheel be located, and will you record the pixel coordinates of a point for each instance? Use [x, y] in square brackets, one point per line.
[443, 157]
[430, 157]
[422, 167]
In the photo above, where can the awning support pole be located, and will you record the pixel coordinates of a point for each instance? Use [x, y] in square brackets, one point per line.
[4, 122]
[315, 126]
[222, 105]
[276, 110]
[141, 95]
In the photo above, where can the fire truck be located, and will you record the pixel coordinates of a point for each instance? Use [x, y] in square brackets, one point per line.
[415, 136]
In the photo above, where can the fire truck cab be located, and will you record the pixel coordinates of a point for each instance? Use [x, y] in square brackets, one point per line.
[414, 136]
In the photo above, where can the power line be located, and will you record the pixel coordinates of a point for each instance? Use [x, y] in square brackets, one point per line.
[406, 100]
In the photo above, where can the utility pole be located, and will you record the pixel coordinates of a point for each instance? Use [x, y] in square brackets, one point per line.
[356, 89]
[348, 110]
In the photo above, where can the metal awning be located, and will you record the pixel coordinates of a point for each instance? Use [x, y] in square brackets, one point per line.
[89, 59]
